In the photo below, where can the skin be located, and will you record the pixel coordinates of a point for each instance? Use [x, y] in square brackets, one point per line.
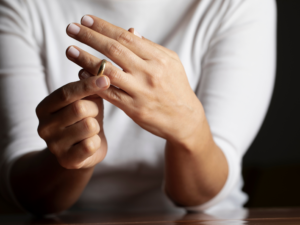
[153, 91]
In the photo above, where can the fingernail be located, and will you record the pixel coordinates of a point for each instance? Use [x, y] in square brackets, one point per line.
[101, 82]
[137, 34]
[73, 52]
[73, 29]
[87, 21]
[85, 74]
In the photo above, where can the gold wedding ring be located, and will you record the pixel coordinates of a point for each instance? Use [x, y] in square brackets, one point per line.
[102, 68]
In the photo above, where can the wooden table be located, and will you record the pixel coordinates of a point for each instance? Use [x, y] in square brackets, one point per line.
[251, 216]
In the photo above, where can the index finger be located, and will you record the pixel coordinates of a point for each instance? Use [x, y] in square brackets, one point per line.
[72, 92]
[136, 44]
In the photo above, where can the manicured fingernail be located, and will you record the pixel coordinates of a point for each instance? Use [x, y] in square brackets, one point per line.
[101, 82]
[87, 21]
[85, 74]
[73, 29]
[73, 52]
[137, 34]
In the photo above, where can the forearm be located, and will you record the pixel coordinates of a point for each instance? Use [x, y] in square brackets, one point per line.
[42, 186]
[195, 171]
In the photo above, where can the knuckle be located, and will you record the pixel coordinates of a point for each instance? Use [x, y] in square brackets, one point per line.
[87, 37]
[115, 75]
[38, 110]
[114, 48]
[63, 163]
[164, 62]
[68, 165]
[64, 93]
[88, 146]
[140, 114]
[125, 38]
[75, 166]
[154, 77]
[101, 26]
[87, 87]
[43, 132]
[88, 62]
[79, 109]
[54, 147]
[114, 95]
[91, 125]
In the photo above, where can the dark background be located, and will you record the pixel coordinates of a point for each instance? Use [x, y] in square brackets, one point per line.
[271, 167]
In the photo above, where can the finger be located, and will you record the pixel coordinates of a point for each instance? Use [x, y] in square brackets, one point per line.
[91, 64]
[78, 154]
[83, 74]
[113, 94]
[77, 132]
[162, 48]
[67, 116]
[131, 41]
[117, 97]
[117, 52]
[75, 112]
[155, 45]
[70, 93]
[133, 31]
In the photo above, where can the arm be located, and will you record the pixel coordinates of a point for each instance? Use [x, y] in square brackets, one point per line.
[195, 169]
[51, 181]
[69, 121]
[235, 90]
[43, 186]
[36, 178]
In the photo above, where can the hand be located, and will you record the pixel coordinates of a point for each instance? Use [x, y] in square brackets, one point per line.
[153, 88]
[71, 123]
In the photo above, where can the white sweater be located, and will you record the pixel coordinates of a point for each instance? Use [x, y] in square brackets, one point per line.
[226, 46]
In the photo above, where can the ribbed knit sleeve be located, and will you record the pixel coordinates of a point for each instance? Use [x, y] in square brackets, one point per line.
[22, 86]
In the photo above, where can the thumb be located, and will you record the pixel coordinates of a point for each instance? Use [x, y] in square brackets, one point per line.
[103, 81]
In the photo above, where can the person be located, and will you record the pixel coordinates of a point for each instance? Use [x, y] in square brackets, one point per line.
[163, 129]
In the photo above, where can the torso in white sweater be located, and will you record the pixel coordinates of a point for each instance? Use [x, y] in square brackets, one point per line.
[226, 46]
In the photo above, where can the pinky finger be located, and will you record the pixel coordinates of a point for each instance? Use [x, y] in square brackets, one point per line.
[76, 157]
[162, 48]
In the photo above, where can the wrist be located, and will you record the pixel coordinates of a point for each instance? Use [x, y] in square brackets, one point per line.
[193, 135]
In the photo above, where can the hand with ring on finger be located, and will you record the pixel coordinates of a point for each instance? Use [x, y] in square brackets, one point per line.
[151, 87]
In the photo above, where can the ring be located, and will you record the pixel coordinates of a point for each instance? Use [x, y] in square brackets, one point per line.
[102, 68]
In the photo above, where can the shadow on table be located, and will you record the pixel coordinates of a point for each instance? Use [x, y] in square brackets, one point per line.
[232, 217]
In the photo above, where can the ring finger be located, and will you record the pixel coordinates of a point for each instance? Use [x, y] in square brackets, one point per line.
[79, 154]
